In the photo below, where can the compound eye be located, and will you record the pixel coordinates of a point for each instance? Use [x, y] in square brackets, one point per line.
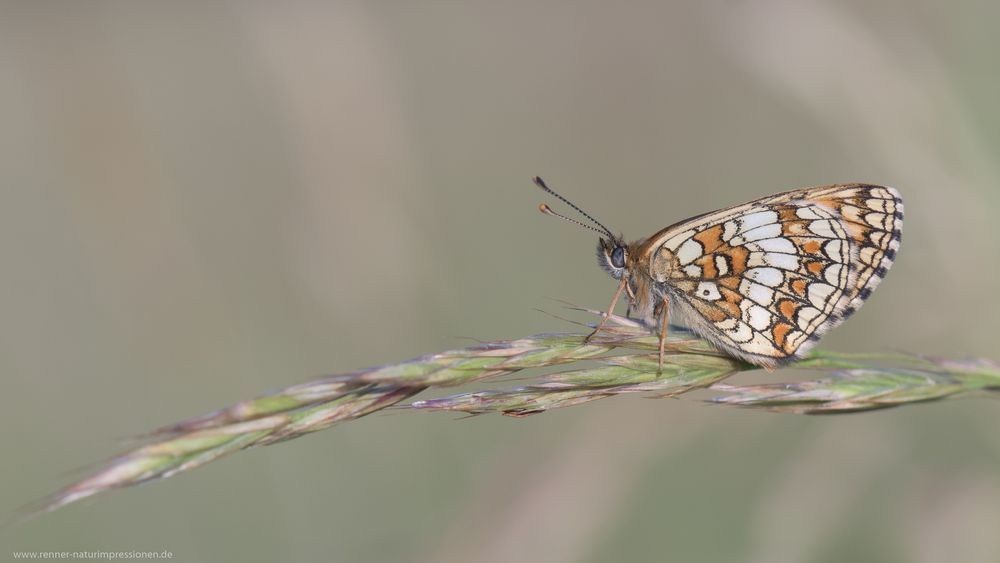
[618, 257]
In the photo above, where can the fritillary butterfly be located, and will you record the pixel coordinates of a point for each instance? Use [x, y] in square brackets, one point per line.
[762, 281]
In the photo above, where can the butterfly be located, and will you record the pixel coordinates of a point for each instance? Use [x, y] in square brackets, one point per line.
[762, 281]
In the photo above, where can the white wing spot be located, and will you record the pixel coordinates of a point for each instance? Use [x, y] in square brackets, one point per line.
[808, 212]
[778, 260]
[868, 255]
[757, 293]
[832, 274]
[779, 244]
[689, 251]
[708, 291]
[760, 345]
[721, 265]
[757, 317]
[762, 232]
[676, 240]
[806, 316]
[751, 221]
[770, 277]
[819, 293]
[852, 213]
[727, 324]
[834, 250]
[876, 220]
[878, 204]
[823, 228]
[794, 340]
[742, 332]
[729, 230]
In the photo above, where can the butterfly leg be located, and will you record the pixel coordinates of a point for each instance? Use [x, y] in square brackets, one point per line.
[664, 322]
[611, 309]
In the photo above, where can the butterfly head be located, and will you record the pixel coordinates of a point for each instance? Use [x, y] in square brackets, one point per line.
[613, 256]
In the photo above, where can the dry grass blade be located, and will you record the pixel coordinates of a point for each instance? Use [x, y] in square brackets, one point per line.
[626, 363]
[869, 388]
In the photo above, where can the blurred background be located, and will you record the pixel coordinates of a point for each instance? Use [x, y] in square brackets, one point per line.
[203, 201]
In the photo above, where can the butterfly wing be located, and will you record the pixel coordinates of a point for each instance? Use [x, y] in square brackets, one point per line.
[764, 280]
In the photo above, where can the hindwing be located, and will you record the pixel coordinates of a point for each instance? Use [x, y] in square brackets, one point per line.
[764, 280]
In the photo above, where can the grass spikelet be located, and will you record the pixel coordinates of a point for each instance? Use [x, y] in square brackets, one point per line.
[620, 360]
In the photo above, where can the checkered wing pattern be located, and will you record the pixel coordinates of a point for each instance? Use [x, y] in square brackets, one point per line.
[764, 280]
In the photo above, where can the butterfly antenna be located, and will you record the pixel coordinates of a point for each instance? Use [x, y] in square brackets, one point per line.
[548, 210]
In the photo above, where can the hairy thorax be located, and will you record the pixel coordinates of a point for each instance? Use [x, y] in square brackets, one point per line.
[647, 277]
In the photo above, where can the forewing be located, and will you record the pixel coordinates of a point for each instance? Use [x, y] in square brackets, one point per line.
[764, 280]
[873, 216]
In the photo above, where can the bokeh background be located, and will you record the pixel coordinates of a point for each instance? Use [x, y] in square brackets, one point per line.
[201, 201]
